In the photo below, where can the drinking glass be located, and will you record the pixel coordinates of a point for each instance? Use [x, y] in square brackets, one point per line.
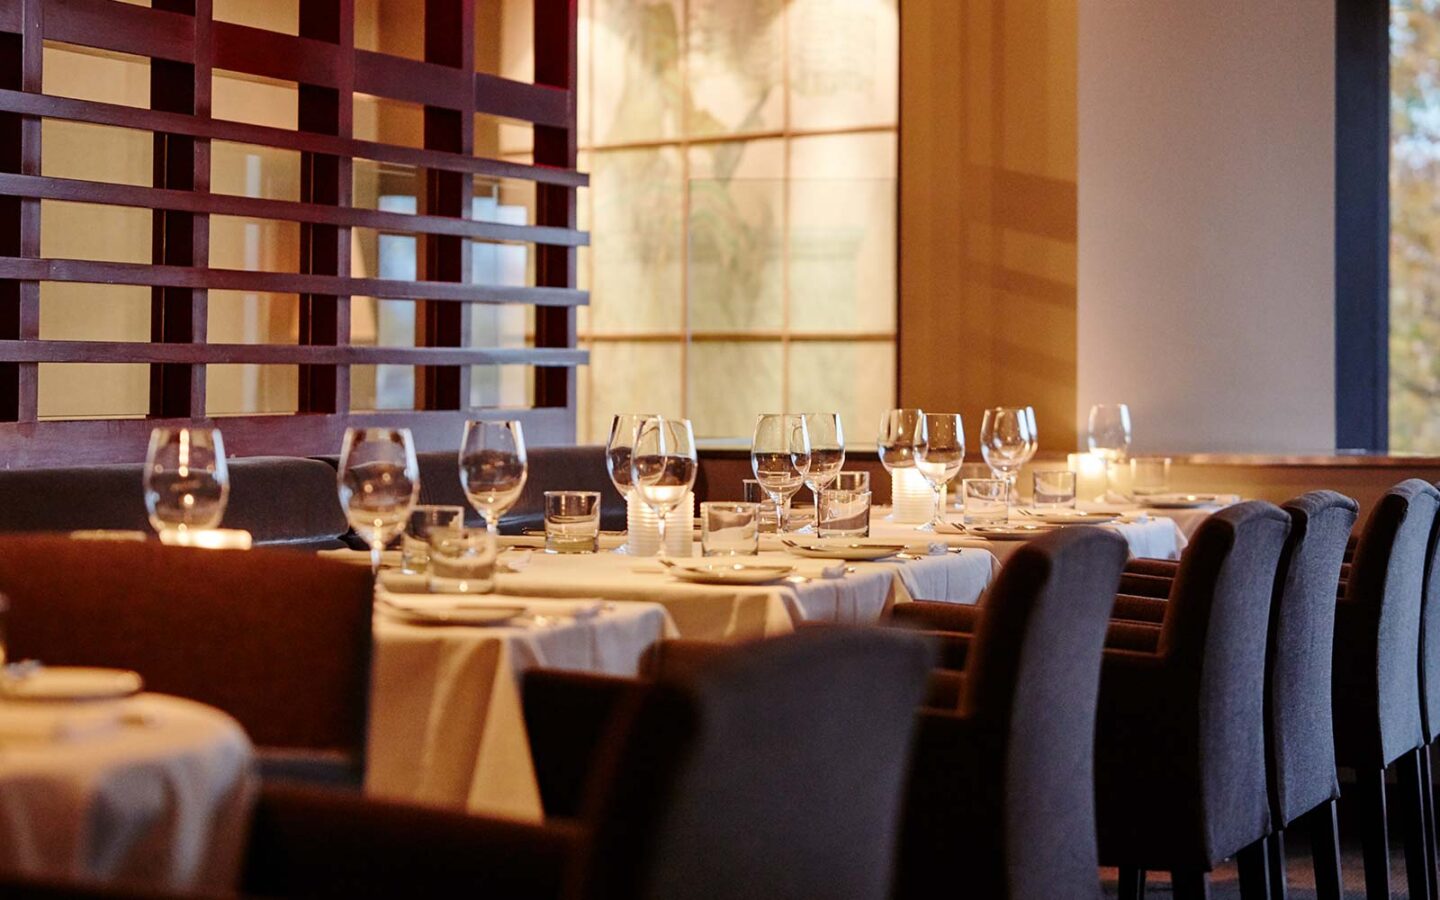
[462, 560]
[856, 480]
[493, 468]
[379, 481]
[729, 529]
[572, 521]
[618, 447]
[663, 465]
[1007, 440]
[1054, 489]
[1149, 475]
[754, 492]
[987, 501]
[415, 542]
[939, 452]
[1109, 434]
[844, 512]
[186, 480]
[780, 458]
[899, 430]
[827, 453]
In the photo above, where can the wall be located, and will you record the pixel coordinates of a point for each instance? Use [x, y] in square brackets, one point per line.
[1206, 226]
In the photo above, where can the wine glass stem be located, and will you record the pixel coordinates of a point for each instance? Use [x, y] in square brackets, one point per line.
[939, 504]
[375, 547]
[782, 512]
[660, 527]
[492, 525]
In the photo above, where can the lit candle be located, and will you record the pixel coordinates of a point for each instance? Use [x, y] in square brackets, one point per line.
[911, 498]
[1090, 476]
[208, 538]
[642, 527]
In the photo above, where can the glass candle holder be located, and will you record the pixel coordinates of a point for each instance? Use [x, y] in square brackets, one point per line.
[987, 501]
[572, 521]
[729, 529]
[1054, 489]
[462, 561]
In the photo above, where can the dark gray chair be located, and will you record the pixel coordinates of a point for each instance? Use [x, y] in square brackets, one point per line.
[281, 501]
[1001, 795]
[1377, 704]
[1181, 729]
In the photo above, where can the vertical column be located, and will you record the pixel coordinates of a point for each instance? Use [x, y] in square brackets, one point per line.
[20, 69]
[555, 65]
[178, 315]
[449, 41]
[327, 179]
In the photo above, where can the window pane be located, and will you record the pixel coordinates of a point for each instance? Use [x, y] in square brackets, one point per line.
[731, 383]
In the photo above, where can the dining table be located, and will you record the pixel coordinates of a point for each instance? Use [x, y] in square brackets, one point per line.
[149, 790]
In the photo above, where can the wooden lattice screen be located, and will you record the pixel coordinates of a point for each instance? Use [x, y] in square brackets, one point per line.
[185, 44]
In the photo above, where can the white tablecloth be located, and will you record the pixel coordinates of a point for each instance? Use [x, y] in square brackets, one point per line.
[151, 789]
[446, 725]
[1151, 536]
[1187, 520]
[723, 612]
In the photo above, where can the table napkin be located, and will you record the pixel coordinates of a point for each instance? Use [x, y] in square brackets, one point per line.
[575, 609]
[46, 722]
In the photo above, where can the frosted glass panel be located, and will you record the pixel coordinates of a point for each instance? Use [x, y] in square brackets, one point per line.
[844, 63]
[736, 67]
[636, 87]
[92, 390]
[855, 379]
[732, 383]
[629, 377]
[94, 312]
[232, 390]
[637, 242]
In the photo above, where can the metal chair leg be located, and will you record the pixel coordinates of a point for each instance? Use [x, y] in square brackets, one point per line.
[1324, 827]
[1191, 884]
[1254, 862]
[1132, 884]
[1412, 811]
[1275, 853]
[1374, 832]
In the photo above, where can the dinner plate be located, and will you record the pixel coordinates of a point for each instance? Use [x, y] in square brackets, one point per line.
[730, 572]
[71, 683]
[459, 613]
[1073, 518]
[1009, 532]
[854, 551]
[1179, 501]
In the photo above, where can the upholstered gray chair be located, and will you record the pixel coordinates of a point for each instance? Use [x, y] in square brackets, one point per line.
[1001, 794]
[1181, 729]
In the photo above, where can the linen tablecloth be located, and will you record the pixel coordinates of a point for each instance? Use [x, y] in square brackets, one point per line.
[446, 725]
[150, 789]
[1150, 536]
[1187, 520]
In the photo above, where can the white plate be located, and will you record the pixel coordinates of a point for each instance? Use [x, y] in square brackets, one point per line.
[1073, 518]
[730, 573]
[1179, 501]
[473, 614]
[853, 551]
[71, 683]
[1008, 532]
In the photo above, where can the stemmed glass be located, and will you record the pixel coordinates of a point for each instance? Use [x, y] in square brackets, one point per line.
[493, 468]
[619, 447]
[827, 454]
[939, 453]
[899, 430]
[1007, 441]
[1109, 435]
[780, 458]
[379, 483]
[663, 465]
[186, 480]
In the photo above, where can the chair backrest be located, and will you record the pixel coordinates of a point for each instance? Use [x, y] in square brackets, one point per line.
[775, 771]
[1032, 678]
[279, 500]
[578, 468]
[1380, 652]
[1300, 735]
[1430, 640]
[1214, 641]
[280, 641]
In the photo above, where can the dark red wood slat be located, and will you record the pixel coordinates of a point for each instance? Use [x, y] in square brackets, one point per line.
[537, 103]
[95, 272]
[282, 354]
[21, 69]
[411, 80]
[106, 25]
[556, 63]
[150, 120]
[283, 210]
[10, 16]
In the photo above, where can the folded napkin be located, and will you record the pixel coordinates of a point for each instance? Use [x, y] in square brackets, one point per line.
[388, 558]
[574, 609]
[951, 528]
[51, 723]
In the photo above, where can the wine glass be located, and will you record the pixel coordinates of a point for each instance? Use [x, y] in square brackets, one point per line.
[780, 458]
[619, 446]
[663, 465]
[939, 452]
[827, 454]
[899, 429]
[379, 482]
[186, 480]
[493, 468]
[1007, 441]
[1109, 435]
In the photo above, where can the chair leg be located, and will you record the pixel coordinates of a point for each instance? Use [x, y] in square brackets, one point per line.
[1412, 812]
[1324, 828]
[1275, 853]
[1191, 884]
[1254, 862]
[1427, 796]
[1132, 884]
[1374, 834]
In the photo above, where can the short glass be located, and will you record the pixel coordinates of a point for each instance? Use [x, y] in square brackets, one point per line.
[415, 541]
[769, 520]
[844, 513]
[987, 501]
[1149, 475]
[858, 480]
[956, 495]
[572, 521]
[1054, 489]
[729, 529]
[462, 561]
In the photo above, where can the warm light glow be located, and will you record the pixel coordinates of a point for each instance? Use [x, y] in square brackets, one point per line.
[1090, 477]
[911, 497]
[208, 538]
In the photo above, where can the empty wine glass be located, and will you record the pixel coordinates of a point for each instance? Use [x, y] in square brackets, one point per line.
[939, 453]
[493, 468]
[186, 480]
[379, 482]
[899, 429]
[619, 447]
[663, 465]
[1007, 441]
[1109, 436]
[827, 454]
[780, 458]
